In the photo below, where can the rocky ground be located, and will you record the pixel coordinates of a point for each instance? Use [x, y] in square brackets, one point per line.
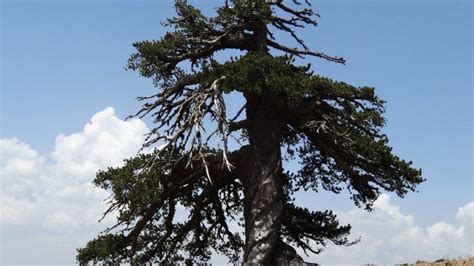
[469, 261]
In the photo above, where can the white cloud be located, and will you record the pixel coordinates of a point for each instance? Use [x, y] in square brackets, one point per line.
[49, 206]
[14, 211]
[465, 215]
[52, 197]
[389, 236]
[103, 142]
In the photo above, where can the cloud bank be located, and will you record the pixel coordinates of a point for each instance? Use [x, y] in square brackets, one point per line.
[390, 236]
[49, 206]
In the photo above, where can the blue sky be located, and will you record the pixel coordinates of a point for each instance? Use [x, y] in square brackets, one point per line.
[63, 62]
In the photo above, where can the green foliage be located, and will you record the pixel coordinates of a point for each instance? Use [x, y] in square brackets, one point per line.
[301, 225]
[343, 144]
[140, 189]
[245, 74]
[107, 248]
[133, 186]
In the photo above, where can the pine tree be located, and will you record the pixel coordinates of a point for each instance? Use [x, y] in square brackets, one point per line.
[290, 113]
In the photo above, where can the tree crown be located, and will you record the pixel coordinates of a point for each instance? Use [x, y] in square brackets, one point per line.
[334, 128]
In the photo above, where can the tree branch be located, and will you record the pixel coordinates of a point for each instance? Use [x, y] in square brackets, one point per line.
[298, 52]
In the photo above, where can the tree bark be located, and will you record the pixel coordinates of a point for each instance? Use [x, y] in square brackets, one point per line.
[261, 170]
[263, 203]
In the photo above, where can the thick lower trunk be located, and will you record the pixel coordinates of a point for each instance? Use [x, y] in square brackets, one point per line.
[286, 255]
[262, 176]
[263, 202]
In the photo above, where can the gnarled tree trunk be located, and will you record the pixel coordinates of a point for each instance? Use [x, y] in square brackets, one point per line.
[262, 176]
[263, 186]
[262, 181]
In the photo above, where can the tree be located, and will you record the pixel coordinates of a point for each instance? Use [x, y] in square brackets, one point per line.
[333, 128]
